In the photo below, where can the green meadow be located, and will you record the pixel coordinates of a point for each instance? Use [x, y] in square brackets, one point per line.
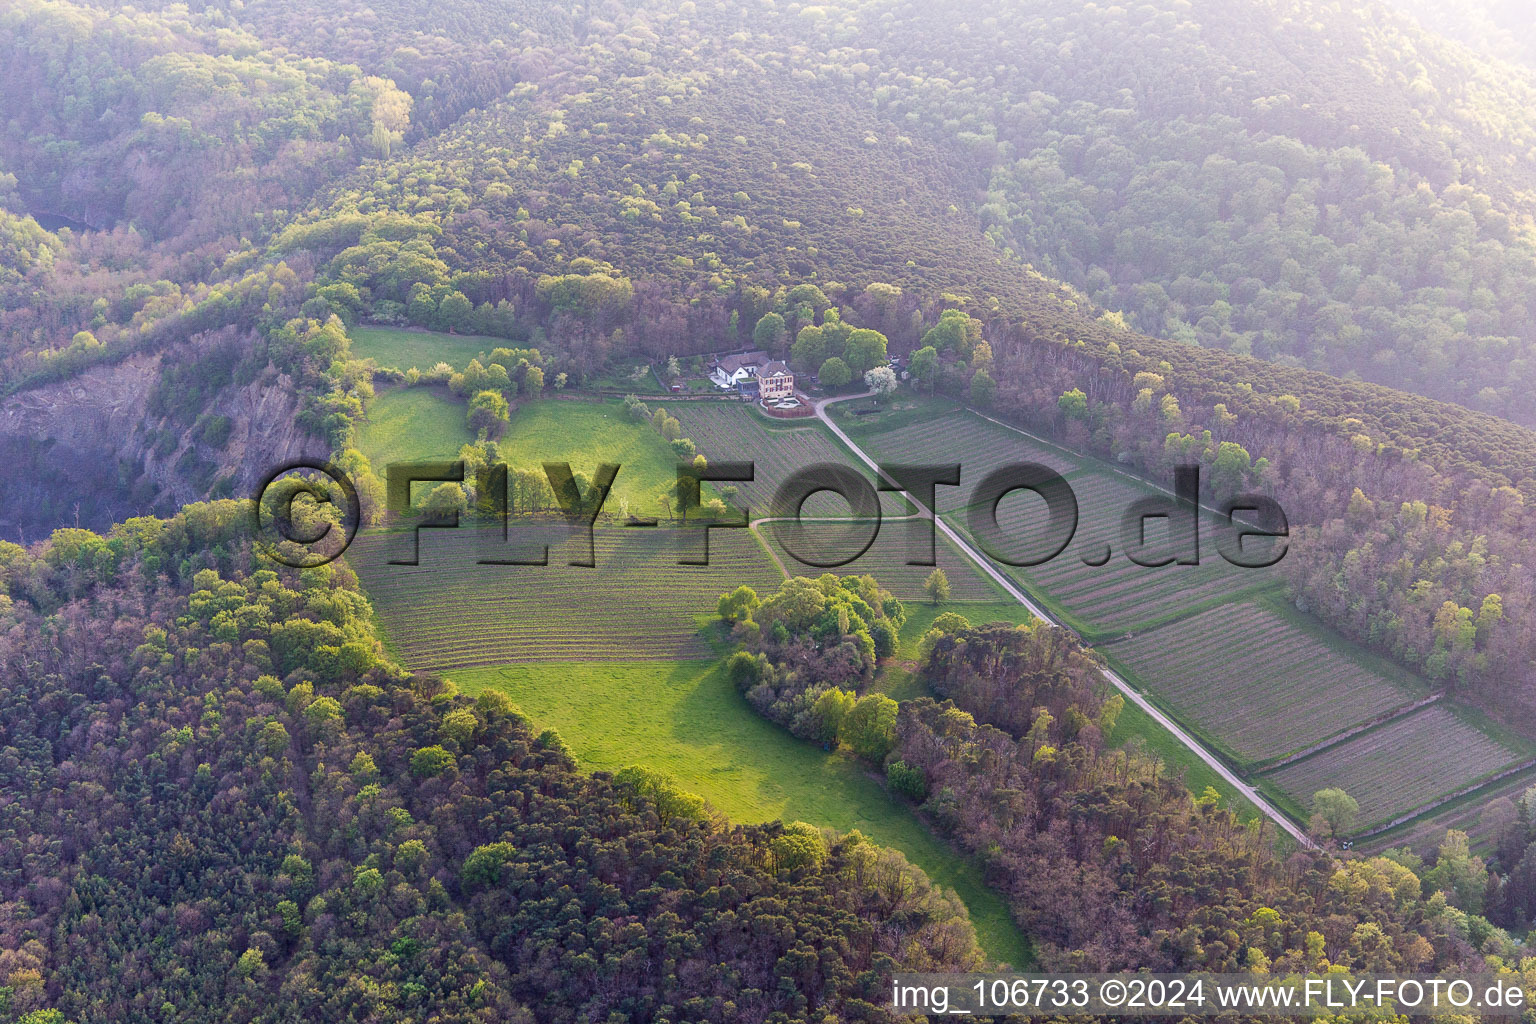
[405, 424]
[430, 423]
[588, 434]
[403, 348]
[687, 720]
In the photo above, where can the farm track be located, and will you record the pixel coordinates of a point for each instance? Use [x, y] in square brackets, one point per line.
[1131, 693]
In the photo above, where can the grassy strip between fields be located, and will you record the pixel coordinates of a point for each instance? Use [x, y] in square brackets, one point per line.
[1135, 724]
[687, 720]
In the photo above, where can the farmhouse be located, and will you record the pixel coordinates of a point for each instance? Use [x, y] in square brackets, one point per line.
[775, 381]
[736, 369]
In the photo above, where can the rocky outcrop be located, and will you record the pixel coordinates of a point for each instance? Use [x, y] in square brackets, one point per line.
[89, 451]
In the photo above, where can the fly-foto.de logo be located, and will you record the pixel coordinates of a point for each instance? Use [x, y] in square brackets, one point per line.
[307, 513]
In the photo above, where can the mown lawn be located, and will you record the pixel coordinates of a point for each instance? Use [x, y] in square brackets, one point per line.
[402, 348]
[405, 424]
[687, 720]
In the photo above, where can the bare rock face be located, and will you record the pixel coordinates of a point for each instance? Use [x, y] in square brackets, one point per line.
[88, 451]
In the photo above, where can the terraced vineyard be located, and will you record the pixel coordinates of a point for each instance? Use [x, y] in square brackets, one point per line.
[636, 604]
[1250, 679]
[885, 559]
[1407, 763]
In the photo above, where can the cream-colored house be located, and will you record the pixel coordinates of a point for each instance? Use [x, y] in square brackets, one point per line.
[775, 381]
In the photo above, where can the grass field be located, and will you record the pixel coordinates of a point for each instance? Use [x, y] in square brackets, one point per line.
[1244, 675]
[587, 434]
[405, 424]
[687, 720]
[635, 604]
[1403, 764]
[403, 348]
[429, 423]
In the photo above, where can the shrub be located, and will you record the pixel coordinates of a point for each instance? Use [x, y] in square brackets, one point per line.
[907, 780]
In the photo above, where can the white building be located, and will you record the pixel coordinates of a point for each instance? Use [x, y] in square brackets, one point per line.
[732, 371]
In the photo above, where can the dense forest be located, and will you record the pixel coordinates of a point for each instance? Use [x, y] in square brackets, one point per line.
[1495, 28]
[226, 804]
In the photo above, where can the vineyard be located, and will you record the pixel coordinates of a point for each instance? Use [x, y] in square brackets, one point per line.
[1119, 595]
[732, 432]
[1254, 678]
[978, 445]
[885, 559]
[1251, 680]
[1099, 601]
[1211, 641]
[1404, 764]
[1480, 816]
[636, 604]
